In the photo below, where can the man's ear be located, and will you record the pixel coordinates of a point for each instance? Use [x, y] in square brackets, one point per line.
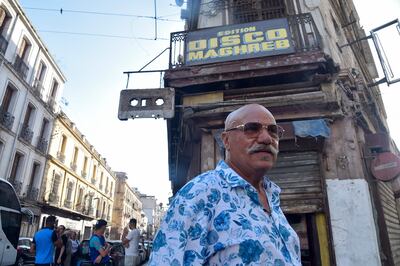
[225, 140]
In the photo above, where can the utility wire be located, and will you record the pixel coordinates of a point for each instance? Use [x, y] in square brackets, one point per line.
[102, 35]
[62, 11]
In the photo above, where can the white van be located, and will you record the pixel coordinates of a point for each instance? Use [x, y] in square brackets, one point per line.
[10, 223]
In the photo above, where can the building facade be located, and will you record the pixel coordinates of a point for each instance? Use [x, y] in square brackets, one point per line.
[78, 185]
[305, 62]
[149, 206]
[31, 85]
[127, 205]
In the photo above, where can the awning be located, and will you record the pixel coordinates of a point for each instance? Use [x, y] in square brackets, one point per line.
[311, 128]
[29, 213]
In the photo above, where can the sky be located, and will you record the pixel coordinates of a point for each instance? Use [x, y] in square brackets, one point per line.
[94, 69]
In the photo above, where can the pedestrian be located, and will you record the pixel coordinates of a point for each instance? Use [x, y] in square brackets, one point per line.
[131, 243]
[61, 246]
[43, 243]
[74, 248]
[99, 248]
[68, 248]
[231, 215]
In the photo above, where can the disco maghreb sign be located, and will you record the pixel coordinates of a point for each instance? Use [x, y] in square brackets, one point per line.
[240, 41]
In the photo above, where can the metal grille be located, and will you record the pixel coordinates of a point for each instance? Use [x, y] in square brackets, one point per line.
[243, 11]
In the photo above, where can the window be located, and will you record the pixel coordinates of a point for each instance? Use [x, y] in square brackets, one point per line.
[75, 156]
[16, 167]
[56, 185]
[8, 198]
[101, 180]
[5, 19]
[63, 144]
[43, 130]
[94, 172]
[30, 111]
[10, 223]
[54, 88]
[8, 98]
[24, 49]
[70, 188]
[85, 162]
[243, 11]
[40, 75]
[33, 191]
[80, 196]
[111, 188]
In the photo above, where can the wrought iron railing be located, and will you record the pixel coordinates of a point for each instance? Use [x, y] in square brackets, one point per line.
[6, 119]
[17, 185]
[38, 88]
[73, 166]
[3, 44]
[67, 204]
[42, 145]
[26, 134]
[21, 67]
[53, 198]
[32, 194]
[61, 156]
[304, 33]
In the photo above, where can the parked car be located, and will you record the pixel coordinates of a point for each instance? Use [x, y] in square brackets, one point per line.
[24, 255]
[117, 252]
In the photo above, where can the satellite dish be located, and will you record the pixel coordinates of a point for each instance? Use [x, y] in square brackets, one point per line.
[179, 2]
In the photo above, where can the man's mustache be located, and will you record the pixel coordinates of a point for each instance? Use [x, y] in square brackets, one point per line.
[263, 148]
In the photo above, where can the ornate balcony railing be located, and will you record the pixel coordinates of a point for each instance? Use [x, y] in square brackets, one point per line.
[26, 134]
[67, 204]
[32, 194]
[42, 145]
[61, 156]
[304, 33]
[53, 198]
[83, 173]
[93, 180]
[73, 166]
[3, 44]
[6, 119]
[21, 67]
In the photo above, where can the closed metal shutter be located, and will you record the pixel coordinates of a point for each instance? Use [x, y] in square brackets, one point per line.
[298, 175]
[391, 219]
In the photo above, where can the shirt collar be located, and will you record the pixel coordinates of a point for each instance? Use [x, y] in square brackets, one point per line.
[235, 180]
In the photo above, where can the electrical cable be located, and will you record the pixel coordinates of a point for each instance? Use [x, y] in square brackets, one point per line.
[102, 35]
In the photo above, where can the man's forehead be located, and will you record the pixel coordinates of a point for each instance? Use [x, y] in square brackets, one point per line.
[250, 113]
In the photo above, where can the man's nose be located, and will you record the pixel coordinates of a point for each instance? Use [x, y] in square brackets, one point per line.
[264, 136]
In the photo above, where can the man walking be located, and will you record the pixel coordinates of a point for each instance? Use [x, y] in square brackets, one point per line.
[231, 215]
[43, 243]
[131, 243]
[99, 248]
[61, 246]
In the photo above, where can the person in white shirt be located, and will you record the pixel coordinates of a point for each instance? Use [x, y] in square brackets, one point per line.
[131, 243]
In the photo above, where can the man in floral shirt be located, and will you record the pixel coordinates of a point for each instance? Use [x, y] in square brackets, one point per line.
[231, 215]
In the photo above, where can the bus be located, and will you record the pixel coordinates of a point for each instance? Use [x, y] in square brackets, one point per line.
[10, 223]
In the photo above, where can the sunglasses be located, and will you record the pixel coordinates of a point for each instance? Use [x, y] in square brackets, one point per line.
[253, 129]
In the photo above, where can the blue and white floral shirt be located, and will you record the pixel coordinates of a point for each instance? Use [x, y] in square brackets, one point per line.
[217, 219]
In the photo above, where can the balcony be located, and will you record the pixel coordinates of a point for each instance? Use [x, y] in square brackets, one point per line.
[26, 134]
[73, 166]
[32, 194]
[101, 187]
[3, 44]
[262, 58]
[52, 104]
[53, 198]
[21, 67]
[68, 204]
[83, 174]
[6, 119]
[61, 157]
[42, 145]
[38, 88]
[93, 180]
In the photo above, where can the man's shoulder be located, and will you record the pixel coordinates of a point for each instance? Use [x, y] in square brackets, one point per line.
[200, 185]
